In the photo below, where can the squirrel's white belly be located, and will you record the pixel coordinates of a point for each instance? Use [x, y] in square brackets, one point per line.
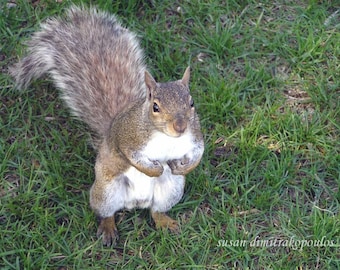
[162, 147]
[139, 191]
[158, 193]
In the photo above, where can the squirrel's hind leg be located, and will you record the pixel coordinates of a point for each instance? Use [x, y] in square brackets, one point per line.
[163, 221]
[168, 191]
[108, 229]
[107, 197]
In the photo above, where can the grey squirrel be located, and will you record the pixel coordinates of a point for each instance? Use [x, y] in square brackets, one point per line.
[148, 133]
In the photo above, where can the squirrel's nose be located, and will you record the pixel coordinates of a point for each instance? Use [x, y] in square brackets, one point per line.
[180, 125]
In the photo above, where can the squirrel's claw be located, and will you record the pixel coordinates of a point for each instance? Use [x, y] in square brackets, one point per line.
[179, 166]
[108, 230]
[162, 221]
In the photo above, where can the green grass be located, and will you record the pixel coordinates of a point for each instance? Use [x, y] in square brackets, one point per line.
[265, 79]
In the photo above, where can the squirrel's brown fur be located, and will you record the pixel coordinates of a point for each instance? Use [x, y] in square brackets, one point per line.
[149, 133]
[96, 62]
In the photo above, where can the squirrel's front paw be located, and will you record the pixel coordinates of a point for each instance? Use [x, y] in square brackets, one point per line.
[155, 169]
[151, 168]
[179, 166]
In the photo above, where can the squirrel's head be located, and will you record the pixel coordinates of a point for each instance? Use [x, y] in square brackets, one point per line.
[171, 106]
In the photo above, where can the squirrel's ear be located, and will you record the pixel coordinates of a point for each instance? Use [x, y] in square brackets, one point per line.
[150, 83]
[186, 77]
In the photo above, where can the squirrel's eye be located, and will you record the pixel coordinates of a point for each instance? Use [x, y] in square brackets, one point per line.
[155, 107]
[192, 103]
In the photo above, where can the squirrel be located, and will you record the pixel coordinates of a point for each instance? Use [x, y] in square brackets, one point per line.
[148, 133]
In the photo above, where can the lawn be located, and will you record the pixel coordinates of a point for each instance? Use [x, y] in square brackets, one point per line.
[265, 79]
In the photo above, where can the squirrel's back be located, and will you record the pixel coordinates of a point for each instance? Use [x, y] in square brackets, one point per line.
[97, 64]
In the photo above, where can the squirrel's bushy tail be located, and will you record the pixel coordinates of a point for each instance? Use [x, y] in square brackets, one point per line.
[95, 62]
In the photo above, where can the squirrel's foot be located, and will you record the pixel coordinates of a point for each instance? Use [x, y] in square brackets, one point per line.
[165, 222]
[108, 229]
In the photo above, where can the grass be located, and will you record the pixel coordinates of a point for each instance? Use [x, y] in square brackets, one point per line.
[265, 79]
